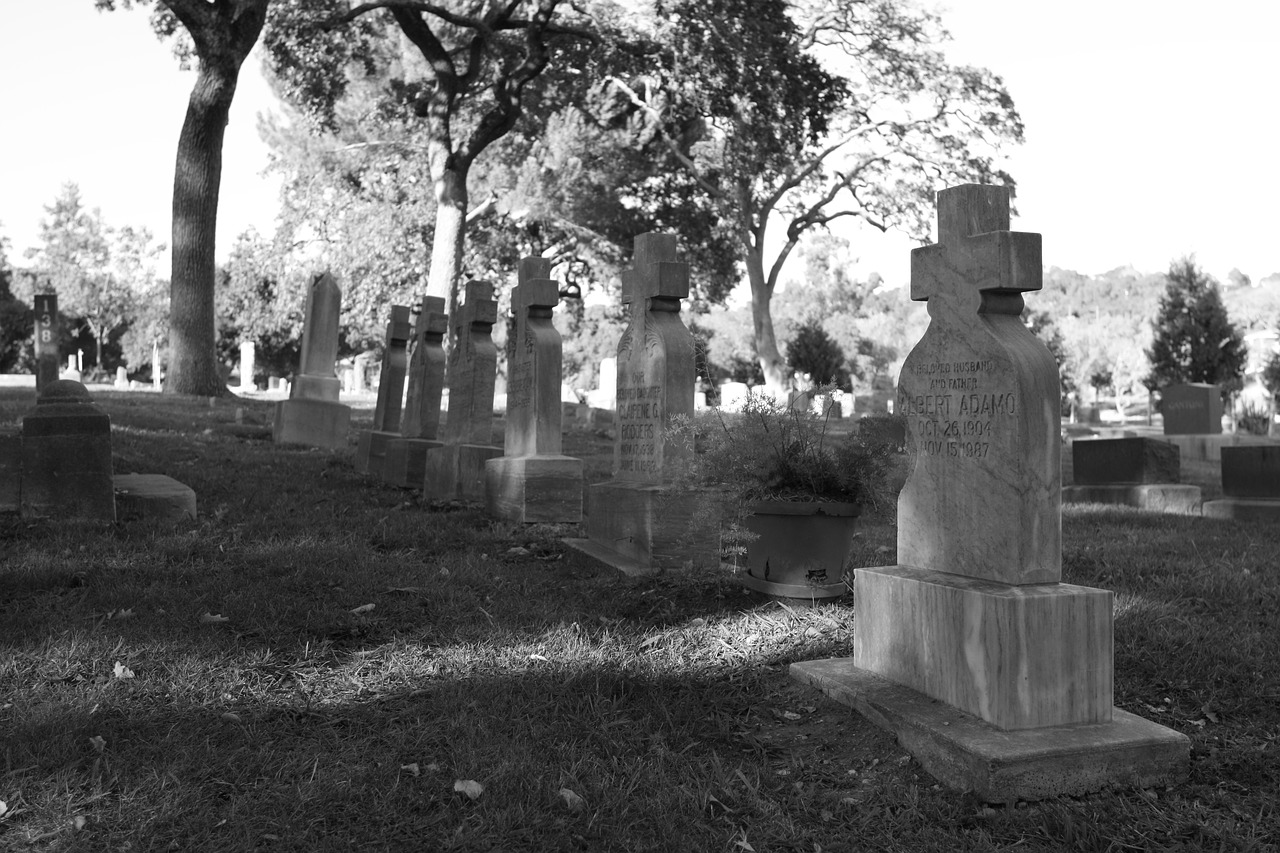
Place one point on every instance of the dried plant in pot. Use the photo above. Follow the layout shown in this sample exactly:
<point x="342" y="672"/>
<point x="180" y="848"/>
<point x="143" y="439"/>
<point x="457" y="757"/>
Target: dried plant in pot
<point x="794" y="482"/>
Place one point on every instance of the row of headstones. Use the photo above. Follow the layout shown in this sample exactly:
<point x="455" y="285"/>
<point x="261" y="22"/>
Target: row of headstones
<point x="1145" y="473"/>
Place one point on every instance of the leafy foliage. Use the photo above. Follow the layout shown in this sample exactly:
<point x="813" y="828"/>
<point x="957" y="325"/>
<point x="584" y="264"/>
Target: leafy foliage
<point x="1195" y="340"/>
<point x="813" y="352"/>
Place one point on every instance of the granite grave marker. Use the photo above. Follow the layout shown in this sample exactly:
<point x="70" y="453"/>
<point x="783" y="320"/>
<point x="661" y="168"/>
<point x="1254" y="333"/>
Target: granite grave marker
<point x="1134" y="471"/>
<point x="312" y="415"/>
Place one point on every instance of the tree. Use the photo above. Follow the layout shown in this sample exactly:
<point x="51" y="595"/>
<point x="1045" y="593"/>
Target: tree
<point x="806" y="112"/>
<point x="1194" y="339"/>
<point x="219" y="34"/>
<point x="15" y="318"/>
<point x="813" y="352"/>
<point x="467" y="87"/>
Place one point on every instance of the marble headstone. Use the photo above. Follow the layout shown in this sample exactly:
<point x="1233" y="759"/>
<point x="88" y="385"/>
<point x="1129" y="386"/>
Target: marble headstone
<point x="248" y="352"/>
<point x="636" y="521"/>
<point x="974" y="615"/>
<point x="533" y="481"/>
<point x="406" y="458"/>
<point x="456" y="470"/>
<point x="312" y="415"/>
<point x="371" y="450"/>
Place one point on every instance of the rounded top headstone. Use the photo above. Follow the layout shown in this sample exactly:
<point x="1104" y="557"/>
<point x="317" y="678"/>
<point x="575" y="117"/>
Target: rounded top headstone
<point x="64" y="391"/>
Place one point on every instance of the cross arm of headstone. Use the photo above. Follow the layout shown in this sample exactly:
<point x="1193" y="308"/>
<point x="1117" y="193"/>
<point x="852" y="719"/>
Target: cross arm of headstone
<point x="399" y="327"/>
<point x="655" y="272"/>
<point x="976" y="253"/>
<point x="480" y="308"/>
<point x="432" y="319"/>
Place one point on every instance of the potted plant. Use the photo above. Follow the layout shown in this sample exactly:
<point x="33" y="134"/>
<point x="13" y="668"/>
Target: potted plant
<point x="795" y="482"/>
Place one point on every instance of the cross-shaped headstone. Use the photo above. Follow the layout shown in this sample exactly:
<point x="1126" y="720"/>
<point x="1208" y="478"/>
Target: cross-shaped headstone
<point x="981" y="398"/>
<point x="533" y="385"/>
<point x="472" y="368"/>
<point x="426" y="371"/>
<point x="655" y="361"/>
<point x="395" y="363"/>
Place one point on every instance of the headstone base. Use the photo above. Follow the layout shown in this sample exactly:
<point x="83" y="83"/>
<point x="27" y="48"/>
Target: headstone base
<point x="457" y="472"/>
<point x="1242" y="509"/>
<point x="10" y="472"/>
<point x="153" y="497"/>
<point x="966" y="754"/>
<point x="1018" y="657"/>
<point x="405" y="462"/>
<point x="534" y="489"/>
<point x="643" y="529"/>
<point x="371" y="451"/>
<point x="315" y="423"/>
<point x="1153" y="497"/>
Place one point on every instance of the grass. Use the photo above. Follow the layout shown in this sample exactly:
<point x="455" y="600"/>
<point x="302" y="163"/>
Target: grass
<point x="222" y="686"/>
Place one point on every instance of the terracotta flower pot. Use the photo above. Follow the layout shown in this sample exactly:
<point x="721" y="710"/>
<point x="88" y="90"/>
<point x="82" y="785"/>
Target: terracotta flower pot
<point x="800" y="548"/>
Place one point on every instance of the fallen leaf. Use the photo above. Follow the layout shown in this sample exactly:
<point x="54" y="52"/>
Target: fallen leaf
<point x="363" y="608"/>
<point x="812" y="632"/>
<point x="99" y="743"/>
<point x="745" y="845"/>
<point x="572" y="800"/>
<point x="650" y="641"/>
<point x="470" y="787"/>
<point x="411" y="769"/>
<point x="80" y="822"/>
<point x="4" y="807"/>
<point x="1209" y="714"/>
<point x="122" y="613"/>
<point x="536" y="656"/>
<point x="230" y="717"/>
<point x="697" y="623"/>
<point x="209" y="618"/>
<point x="790" y="715"/>
<point x="433" y="768"/>
<point x="517" y="551"/>
<point x="122" y="671"/>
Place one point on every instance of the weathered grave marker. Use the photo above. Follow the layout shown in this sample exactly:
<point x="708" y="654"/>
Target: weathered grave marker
<point x="456" y="470"/>
<point x="66" y="456"/>
<point x="974" y="614"/>
<point x="406" y="459"/>
<point x="1138" y="472"/>
<point x="1192" y="409"/>
<point x="47" y="332"/>
<point x="371" y="451"/>
<point x="248" y="353"/>
<point x="1250" y="484"/>
<point x="534" y="481"/>
<point x="312" y="415"/>
<point x="637" y="522"/>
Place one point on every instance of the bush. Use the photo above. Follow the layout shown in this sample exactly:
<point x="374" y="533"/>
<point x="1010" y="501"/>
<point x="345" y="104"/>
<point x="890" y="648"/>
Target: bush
<point x="812" y="351"/>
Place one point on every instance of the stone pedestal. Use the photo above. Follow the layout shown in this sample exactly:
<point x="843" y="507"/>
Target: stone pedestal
<point x="533" y="489"/>
<point x="48" y="330"/>
<point x="153" y="497"/>
<point x="457" y="472"/>
<point x="371" y="451"/>
<point x="312" y="415"/>
<point x="66" y="456"/>
<point x="644" y="529"/>
<point x="404" y="460"/>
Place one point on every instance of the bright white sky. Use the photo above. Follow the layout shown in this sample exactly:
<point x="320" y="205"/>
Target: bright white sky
<point x="1151" y="127"/>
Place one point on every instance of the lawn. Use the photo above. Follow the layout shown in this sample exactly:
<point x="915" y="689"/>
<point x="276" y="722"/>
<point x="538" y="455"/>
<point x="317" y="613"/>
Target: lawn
<point x="321" y="662"/>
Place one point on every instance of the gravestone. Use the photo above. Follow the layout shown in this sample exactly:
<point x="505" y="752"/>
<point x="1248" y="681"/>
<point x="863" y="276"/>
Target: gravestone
<point x="72" y="373"/>
<point x="312" y="415"/>
<point x="371" y="451"/>
<point x="1137" y="472"/>
<point x="974" y="616"/>
<point x="247" y="357"/>
<point x="122" y="378"/>
<point x="1192" y="409"/>
<point x="66" y="456"/>
<point x="406" y="459"/>
<point x="638" y="522"/>
<point x="456" y="470"/>
<point x="153" y="497"/>
<point x="48" y="329"/>
<point x="533" y="481"/>
<point x="605" y="394"/>
<point x="1250" y="484"/>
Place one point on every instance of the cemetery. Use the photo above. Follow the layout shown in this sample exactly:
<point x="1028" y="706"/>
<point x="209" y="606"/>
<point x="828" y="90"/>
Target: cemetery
<point x="511" y="496"/>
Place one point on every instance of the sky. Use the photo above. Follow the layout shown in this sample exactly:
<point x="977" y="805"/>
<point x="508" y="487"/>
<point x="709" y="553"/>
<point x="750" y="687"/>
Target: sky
<point x="1151" y="128"/>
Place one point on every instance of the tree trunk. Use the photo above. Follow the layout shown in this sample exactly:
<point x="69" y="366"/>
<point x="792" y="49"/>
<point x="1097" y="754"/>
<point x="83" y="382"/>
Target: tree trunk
<point x="97" y="345"/>
<point x="447" y="243"/>
<point x="772" y="364"/>
<point x="193" y="365"/>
